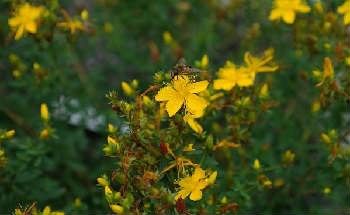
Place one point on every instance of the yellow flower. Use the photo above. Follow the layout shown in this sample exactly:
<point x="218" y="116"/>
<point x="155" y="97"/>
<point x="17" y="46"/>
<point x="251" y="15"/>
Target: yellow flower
<point x="192" y="185"/>
<point x="229" y="76"/>
<point x="345" y="9"/>
<point x="328" y="71"/>
<point x="44" y="112"/>
<point x="255" y="65"/>
<point x="286" y="9"/>
<point x="72" y="25"/>
<point x="25" y="19"/>
<point x="183" y="92"/>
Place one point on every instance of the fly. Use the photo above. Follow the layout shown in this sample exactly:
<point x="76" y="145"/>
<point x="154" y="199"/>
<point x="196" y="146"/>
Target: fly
<point x="181" y="68"/>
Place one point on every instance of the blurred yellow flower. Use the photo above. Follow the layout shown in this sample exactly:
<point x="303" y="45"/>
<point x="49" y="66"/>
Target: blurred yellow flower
<point x="327" y="190"/>
<point x="230" y="76"/>
<point x="212" y="177"/>
<point x="192" y="185"/>
<point x="256" y="164"/>
<point x="84" y="14"/>
<point x="18" y="212"/>
<point x="255" y="64"/>
<point x="117" y="209"/>
<point x="25" y="19"/>
<point x="111" y="129"/>
<point x="267" y="183"/>
<point x="325" y="138"/>
<point x="183" y="92"/>
<point x="111" y="140"/>
<point x="286" y="9"/>
<point x="328" y="71"/>
<point x="204" y="62"/>
<point x="77" y="202"/>
<point x="71" y="24"/>
<point x="147" y="101"/>
<point x="288" y="157"/>
<point x="319" y="7"/>
<point x="347" y="61"/>
<point x="345" y="9"/>
<point x="108" y="190"/>
<point x="168" y="39"/>
<point x="47" y="210"/>
<point x="45" y="133"/>
<point x="102" y="181"/>
<point x="127" y="89"/>
<point x="315" y="106"/>
<point x="44" y="112"/>
<point x="264" y="91"/>
<point x="8" y="134"/>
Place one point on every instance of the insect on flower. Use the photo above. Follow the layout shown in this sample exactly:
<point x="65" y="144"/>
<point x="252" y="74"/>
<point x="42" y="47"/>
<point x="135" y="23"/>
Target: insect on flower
<point x="181" y="68"/>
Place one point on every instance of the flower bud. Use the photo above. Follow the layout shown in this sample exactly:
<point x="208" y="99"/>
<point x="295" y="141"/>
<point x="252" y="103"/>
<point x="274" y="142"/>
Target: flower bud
<point x="117" y="209"/>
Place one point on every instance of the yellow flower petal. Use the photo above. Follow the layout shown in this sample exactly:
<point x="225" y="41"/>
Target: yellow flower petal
<point x="19" y="32"/>
<point x="183" y="194"/>
<point x="303" y="8"/>
<point x="198" y="86"/>
<point x="14" y="21"/>
<point x="275" y="14"/>
<point x="289" y="17"/>
<point x="195" y="104"/>
<point x="198" y="174"/>
<point x="212" y="178"/>
<point x="31" y="27"/>
<point x="165" y="94"/>
<point x="223" y="84"/>
<point x="174" y="105"/>
<point x="193" y="123"/>
<point x="196" y="195"/>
